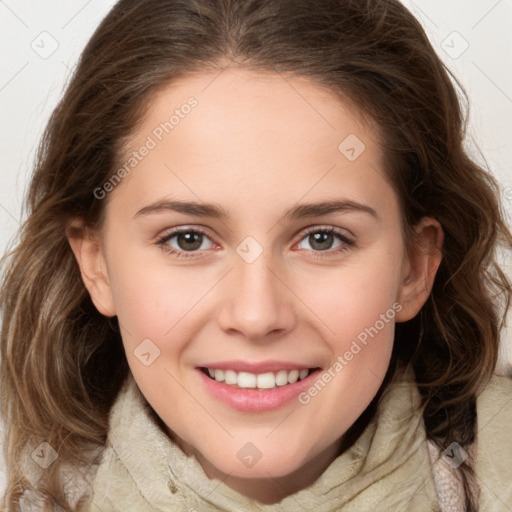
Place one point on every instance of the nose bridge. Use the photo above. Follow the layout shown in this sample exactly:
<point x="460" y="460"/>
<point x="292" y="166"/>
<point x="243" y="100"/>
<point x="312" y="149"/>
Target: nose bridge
<point x="256" y="303"/>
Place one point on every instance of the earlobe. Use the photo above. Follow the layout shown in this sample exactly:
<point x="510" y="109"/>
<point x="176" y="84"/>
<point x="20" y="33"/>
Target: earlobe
<point x="90" y="258"/>
<point x="421" y="267"/>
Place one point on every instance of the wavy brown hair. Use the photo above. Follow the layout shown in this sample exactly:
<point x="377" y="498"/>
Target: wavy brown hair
<point x="62" y="363"/>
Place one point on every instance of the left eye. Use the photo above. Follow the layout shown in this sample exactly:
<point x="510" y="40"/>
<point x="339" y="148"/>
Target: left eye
<point x="324" y="240"/>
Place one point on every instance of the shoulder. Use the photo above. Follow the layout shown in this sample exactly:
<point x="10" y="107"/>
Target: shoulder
<point x="494" y="410"/>
<point x="496" y="395"/>
<point x="494" y="437"/>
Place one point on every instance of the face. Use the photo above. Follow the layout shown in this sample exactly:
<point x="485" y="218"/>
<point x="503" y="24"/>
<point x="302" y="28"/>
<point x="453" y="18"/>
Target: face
<point x="257" y="241"/>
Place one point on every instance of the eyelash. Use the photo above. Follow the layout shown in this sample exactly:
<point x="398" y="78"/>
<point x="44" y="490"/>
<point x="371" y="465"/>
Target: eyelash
<point x="348" y="242"/>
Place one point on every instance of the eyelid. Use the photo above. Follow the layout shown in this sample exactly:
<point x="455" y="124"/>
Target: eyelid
<point x="168" y="234"/>
<point x="326" y="228"/>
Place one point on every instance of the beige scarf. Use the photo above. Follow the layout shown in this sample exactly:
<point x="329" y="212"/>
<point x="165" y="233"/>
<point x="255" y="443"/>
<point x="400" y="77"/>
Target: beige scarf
<point x="390" y="468"/>
<point x="387" y="469"/>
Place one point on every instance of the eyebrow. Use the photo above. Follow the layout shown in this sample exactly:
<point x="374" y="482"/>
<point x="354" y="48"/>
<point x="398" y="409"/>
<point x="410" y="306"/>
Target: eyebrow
<point x="296" y="212"/>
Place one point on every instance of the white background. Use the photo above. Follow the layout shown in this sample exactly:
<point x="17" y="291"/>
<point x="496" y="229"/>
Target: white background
<point x="31" y="82"/>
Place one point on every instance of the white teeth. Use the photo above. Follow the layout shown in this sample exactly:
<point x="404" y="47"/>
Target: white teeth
<point x="230" y="377"/>
<point x="293" y="376"/>
<point x="246" y="380"/>
<point x="282" y="378"/>
<point x="267" y="380"/>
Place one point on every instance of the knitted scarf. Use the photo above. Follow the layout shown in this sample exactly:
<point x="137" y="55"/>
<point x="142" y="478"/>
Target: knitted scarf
<point x="391" y="467"/>
<point x="388" y="467"/>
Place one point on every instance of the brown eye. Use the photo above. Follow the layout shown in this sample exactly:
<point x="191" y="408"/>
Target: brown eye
<point x="186" y="240"/>
<point x="321" y="240"/>
<point x="189" y="241"/>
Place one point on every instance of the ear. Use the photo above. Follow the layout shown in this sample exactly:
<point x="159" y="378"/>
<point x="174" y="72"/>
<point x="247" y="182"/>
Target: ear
<point x="420" y="269"/>
<point x="89" y="254"/>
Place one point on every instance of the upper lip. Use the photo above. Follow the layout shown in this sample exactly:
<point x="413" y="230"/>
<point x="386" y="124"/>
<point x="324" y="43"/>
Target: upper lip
<point x="256" y="366"/>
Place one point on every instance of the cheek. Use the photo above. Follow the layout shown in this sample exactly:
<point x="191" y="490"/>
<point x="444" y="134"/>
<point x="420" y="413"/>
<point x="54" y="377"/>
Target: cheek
<point x="353" y="297"/>
<point x="152" y="298"/>
<point x="360" y="341"/>
<point x="356" y="306"/>
<point x="154" y="309"/>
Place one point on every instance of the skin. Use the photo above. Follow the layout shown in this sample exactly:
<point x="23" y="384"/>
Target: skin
<point x="257" y="145"/>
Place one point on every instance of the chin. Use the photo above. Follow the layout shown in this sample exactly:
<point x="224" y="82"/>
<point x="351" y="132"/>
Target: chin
<point x="250" y="463"/>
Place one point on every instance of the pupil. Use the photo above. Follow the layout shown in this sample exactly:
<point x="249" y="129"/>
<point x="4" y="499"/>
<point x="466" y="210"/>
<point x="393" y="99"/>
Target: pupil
<point x="321" y="241"/>
<point x="194" y="241"/>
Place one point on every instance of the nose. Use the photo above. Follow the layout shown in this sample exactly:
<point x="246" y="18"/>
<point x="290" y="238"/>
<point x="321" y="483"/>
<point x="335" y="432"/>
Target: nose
<point x="256" y="302"/>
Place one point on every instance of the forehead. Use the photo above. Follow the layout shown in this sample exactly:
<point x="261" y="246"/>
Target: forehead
<point x="253" y="138"/>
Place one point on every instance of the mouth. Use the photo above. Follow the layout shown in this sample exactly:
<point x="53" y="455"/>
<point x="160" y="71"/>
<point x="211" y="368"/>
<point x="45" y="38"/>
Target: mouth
<point x="256" y="387"/>
<point x="260" y="381"/>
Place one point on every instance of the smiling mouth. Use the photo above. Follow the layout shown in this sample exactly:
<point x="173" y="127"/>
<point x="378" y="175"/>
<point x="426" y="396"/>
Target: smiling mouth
<point x="260" y="381"/>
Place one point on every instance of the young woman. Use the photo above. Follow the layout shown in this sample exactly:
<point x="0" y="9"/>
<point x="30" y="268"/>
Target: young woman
<point x="258" y="273"/>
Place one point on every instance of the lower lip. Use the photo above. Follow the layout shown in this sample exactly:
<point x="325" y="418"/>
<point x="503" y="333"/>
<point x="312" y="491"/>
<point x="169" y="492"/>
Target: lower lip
<point x="256" y="400"/>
